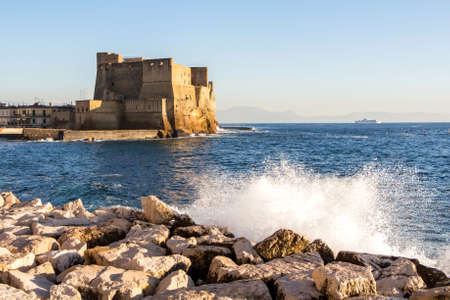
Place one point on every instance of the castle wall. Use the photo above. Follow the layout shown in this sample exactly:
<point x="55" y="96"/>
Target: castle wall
<point x="141" y="114"/>
<point x="98" y="114"/>
<point x="199" y="76"/>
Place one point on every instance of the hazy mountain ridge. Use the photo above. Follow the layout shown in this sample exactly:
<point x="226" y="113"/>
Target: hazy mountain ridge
<point x="246" y="114"/>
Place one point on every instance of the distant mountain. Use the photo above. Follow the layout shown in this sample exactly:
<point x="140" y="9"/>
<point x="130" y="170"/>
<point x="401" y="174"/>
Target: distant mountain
<point x="246" y="114"/>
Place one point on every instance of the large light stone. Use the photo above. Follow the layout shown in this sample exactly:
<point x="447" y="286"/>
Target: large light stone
<point x="28" y="243"/>
<point x="175" y="280"/>
<point x="74" y="244"/>
<point x="46" y="269"/>
<point x="237" y="290"/>
<point x="9" y="261"/>
<point x="11" y="293"/>
<point x="282" y="243"/>
<point x="156" y="234"/>
<point x="439" y="293"/>
<point x="399" y="279"/>
<point x="36" y="284"/>
<point x="101" y="282"/>
<point x="50" y="231"/>
<point x="177" y="244"/>
<point x="299" y="286"/>
<point x="244" y="252"/>
<point x="223" y="269"/>
<point x="156" y="211"/>
<point x="201" y="257"/>
<point x="64" y="292"/>
<point x="77" y="209"/>
<point x="339" y="280"/>
<point x="17" y="230"/>
<point x="61" y="260"/>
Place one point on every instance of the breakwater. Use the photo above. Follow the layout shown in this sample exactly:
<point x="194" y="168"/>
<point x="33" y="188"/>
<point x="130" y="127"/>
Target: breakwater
<point x="68" y="252"/>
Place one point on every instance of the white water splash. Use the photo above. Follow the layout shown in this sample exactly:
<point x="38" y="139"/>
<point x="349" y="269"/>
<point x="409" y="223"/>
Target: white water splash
<point x="355" y="213"/>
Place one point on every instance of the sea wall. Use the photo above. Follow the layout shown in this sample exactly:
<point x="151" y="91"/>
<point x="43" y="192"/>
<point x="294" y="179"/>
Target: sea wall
<point x="42" y="134"/>
<point x="116" y="135"/>
<point x="68" y="252"/>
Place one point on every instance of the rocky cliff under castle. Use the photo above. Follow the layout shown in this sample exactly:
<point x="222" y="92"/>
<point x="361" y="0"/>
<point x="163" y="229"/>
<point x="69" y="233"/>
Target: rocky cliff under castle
<point x="138" y="93"/>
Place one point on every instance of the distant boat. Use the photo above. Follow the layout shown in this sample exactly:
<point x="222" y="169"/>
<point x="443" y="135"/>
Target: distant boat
<point x="365" y="121"/>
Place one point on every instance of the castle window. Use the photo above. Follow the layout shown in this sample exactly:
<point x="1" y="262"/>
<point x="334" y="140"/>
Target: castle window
<point x="161" y="63"/>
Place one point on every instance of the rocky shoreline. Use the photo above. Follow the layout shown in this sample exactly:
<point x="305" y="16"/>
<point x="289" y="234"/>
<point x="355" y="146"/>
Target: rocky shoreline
<point x="67" y="252"/>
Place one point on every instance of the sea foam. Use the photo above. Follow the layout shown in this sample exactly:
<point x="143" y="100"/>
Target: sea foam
<point x="362" y="212"/>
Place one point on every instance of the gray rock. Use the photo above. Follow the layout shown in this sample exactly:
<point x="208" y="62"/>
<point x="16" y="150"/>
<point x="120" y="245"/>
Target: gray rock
<point x="201" y="257"/>
<point x="322" y="248"/>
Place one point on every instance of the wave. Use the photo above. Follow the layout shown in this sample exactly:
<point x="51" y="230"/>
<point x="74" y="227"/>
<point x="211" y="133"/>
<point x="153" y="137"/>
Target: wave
<point x="363" y="212"/>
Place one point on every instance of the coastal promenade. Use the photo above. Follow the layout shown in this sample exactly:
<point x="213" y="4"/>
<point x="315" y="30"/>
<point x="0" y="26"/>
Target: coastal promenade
<point x="118" y="252"/>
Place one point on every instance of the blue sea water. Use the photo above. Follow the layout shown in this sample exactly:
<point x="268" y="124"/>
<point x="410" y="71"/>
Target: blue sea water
<point x="379" y="188"/>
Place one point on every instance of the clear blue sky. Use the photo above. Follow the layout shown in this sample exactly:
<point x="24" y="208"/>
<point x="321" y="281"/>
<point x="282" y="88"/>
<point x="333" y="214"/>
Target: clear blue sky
<point x="311" y="57"/>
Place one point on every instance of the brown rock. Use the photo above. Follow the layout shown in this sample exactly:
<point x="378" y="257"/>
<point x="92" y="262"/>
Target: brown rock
<point x="339" y="280"/>
<point x="244" y="252"/>
<point x="237" y="290"/>
<point x="319" y="246"/>
<point x="177" y="244"/>
<point x="99" y="235"/>
<point x="156" y="211"/>
<point x="173" y="281"/>
<point x="74" y="244"/>
<point x="32" y="203"/>
<point x="10" y="293"/>
<point x="299" y="286"/>
<point x="439" y="293"/>
<point x="9" y="261"/>
<point x="224" y="269"/>
<point x="201" y="257"/>
<point x="282" y="243"/>
<point x="64" y="292"/>
<point x="399" y="279"/>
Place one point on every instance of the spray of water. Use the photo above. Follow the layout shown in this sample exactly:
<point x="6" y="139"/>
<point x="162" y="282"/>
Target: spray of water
<point x="359" y="212"/>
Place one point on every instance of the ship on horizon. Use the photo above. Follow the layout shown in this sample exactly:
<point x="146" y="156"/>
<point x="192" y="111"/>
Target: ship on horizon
<point x="366" y="121"/>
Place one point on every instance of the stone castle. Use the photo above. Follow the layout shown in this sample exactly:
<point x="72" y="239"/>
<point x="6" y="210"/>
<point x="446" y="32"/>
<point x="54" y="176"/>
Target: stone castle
<point x="138" y="93"/>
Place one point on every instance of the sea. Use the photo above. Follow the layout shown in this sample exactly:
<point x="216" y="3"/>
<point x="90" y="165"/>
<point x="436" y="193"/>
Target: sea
<point x="377" y="188"/>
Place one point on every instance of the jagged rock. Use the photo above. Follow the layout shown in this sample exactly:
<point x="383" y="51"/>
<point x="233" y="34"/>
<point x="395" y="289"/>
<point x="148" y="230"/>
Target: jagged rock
<point x="156" y="234"/>
<point x="9" y="261"/>
<point x="134" y="257"/>
<point x="299" y="286"/>
<point x="17" y="230"/>
<point x="61" y="214"/>
<point x="223" y="269"/>
<point x="217" y="239"/>
<point x="50" y="231"/>
<point x="199" y="230"/>
<point x="11" y="293"/>
<point x="373" y="297"/>
<point x="74" y="244"/>
<point x="181" y="220"/>
<point x="201" y="257"/>
<point x="175" y="280"/>
<point x="32" y="203"/>
<point x="64" y="292"/>
<point x="77" y="209"/>
<point x="61" y="260"/>
<point x="99" y="282"/>
<point x="177" y="244"/>
<point x="99" y="235"/>
<point x="125" y="212"/>
<point x="35" y="284"/>
<point x="282" y="243"/>
<point x="439" y="293"/>
<point x="430" y="276"/>
<point x="8" y="200"/>
<point x="23" y="216"/>
<point x="322" y="248"/>
<point x="244" y="252"/>
<point x="399" y="279"/>
<point x="237" y="290"/>
<point x="45" y="269"/>
<point x="156" y="211"/>
<point x="27" y="243"/>
<point x="339" y="280"/>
